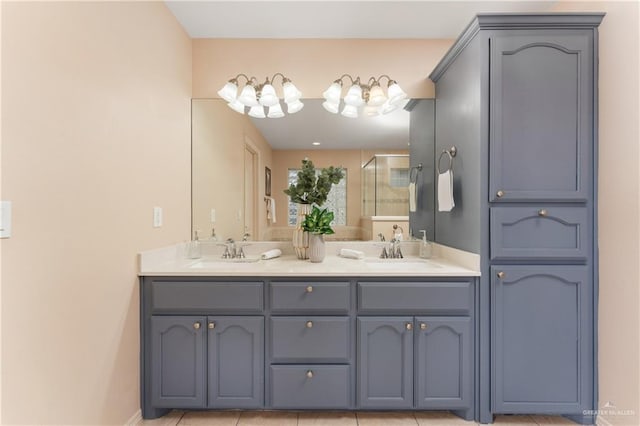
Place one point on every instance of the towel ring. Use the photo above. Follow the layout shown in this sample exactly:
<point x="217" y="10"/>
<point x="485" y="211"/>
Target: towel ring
<point x="451" y="152"/>
<point x="417" y="169"/>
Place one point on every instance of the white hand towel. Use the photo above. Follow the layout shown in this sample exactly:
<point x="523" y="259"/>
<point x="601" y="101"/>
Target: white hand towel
<point x="271" y="254"/>
<point x="271" y="209"/>
<point x="412" y="197"/>
<point x="351" y="254"/>
<point x="445" y="191"/>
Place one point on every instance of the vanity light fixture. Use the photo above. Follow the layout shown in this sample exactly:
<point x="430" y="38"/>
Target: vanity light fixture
<point x="370" y="95"/>
<point x="257" y="96"/>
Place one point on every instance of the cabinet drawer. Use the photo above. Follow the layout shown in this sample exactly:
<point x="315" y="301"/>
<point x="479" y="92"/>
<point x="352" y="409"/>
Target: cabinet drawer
<point x="330" y="297"/>
<point x="310" y="386"/>
<point x="207" y="297"/>
<point x="415" y="297"/>
<point x="542" y="232"/>
<point x="310" y="339"/>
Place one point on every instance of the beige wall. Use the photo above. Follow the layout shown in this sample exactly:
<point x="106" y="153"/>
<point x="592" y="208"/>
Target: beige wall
<point x="219" y="137"/>
<point x="95" y="133"/>
<point x="618" y="207"/>
<point x="313" y="64"/>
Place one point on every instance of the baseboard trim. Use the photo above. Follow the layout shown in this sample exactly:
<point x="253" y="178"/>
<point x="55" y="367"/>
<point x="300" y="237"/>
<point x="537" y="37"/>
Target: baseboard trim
<point x="135" y="419"/>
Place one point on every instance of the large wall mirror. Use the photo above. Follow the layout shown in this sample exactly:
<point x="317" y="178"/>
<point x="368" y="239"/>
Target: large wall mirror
<point x="241" y="165"/>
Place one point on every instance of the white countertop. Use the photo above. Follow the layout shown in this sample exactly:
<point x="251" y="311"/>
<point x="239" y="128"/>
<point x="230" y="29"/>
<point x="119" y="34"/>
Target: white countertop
<point x="447" y="262"/>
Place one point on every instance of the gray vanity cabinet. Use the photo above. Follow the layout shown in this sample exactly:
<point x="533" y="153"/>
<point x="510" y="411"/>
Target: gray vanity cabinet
<point x="421" y="362"/>
<point x="178" y="365"/>
<point x="385" y="362"/>
<point x="542" y="353"/>
<point x="193" y="357"/>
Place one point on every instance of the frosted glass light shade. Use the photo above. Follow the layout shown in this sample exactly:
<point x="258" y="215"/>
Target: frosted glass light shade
<point x="268" y="96"/>
<point x="350" y="111"/>
<point x="237" y="106"/>
<point x="228" y="92"/>
<point x="293" y="107"/>
<point x="275" y="111"/>
<point x="291" y="92"/>
<point x="333" y="92"/>
<point x="354" y="96"/>
<point x="396" y="94"/>
<point x="331" y="106"/>
<point x="248" y="96"/>
<point x="376" y="96"/>
<point x="257" y="111"/>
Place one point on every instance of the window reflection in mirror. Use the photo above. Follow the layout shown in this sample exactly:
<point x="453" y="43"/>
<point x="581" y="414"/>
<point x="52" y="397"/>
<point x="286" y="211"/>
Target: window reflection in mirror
<point x="230" y="152"/>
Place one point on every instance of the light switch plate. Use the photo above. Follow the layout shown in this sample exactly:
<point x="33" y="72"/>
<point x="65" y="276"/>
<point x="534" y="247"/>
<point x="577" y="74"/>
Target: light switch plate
<point x="157" y="217"/>
<point x="213" y="215"/>
<point x="5" y="219"/>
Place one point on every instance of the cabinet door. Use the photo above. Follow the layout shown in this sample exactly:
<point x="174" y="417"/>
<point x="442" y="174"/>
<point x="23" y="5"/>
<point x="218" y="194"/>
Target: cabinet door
<point x="444" y="356"/>
<point x="178" y="361"/>
<point x="542" y="354"/>
<point x="236" y="362"/>
<point x="541" y="115"/>
<point x="385" y="362"/>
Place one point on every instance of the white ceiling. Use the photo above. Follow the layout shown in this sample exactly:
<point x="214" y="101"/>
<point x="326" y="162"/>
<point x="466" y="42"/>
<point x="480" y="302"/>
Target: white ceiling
<point x="337" y="19"/>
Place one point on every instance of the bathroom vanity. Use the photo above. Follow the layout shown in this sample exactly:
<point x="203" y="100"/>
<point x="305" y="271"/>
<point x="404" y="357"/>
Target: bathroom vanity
<point x="517" y="95"/>
<point x="360" y="338"/>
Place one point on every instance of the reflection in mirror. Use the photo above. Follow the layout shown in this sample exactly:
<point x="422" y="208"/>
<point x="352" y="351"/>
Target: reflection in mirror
<point x="237" y="159"/>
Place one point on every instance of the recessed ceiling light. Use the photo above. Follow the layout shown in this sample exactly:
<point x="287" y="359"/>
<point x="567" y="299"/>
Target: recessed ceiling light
<point x="315" y="143"/>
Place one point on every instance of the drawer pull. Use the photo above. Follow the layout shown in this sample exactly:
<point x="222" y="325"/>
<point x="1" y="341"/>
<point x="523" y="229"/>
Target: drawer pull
<point x="542" y="213"/>
<point x="423" y="326"/>
<point x="500" y="194"/>
<point x="309" y="374"/>
<point x="501" y="274"/>
<point x="309" y="324"/>
<point x="212" y="325"/>
<point x="309" y="289"/>
<point x="196" y="325"/>
<point x="408" y="326"/>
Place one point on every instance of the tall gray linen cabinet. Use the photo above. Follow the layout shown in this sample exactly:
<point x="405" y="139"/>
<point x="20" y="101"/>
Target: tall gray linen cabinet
<point x="517" y="96"/>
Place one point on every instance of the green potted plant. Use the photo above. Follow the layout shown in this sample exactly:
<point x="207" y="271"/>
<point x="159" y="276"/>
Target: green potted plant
<point x="317" y="223"/>
<point x="310" y="189"/>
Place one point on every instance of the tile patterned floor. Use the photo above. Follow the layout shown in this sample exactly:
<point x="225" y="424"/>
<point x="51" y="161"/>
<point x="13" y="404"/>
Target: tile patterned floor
<point x="362" y="418"/>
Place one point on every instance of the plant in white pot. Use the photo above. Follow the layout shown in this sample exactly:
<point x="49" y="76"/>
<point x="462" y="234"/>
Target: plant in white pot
<point x="317" y="224"/>
<point x="309" y="190"/>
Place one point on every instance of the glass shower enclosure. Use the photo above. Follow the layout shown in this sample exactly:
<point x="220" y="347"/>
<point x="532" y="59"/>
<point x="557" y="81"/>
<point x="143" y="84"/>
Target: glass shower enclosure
<point x="385" y="185"/>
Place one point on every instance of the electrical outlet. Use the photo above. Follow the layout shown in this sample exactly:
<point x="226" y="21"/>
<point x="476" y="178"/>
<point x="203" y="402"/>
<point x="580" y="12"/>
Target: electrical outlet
<point x="157" y="217"/>
<point x="213" y="215"/>
<point x="5" y="219"/>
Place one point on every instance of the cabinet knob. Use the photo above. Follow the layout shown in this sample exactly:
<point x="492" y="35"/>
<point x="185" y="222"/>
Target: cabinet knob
<point x="423" y="326"/>
<point x="212" y="325"/>
<point x="408" y="326"/>
<point x="309" y="374"/>
<point x="500" y="194"/>
<point x="309" y="324"/>
<point x="196" y="325"/>
<point x="309" y="289"/>
<point x="542" y="213"/>
<point x="501" y="274"/>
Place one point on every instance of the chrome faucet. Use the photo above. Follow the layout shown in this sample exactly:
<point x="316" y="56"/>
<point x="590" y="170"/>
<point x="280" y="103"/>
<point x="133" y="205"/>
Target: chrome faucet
<point x="229" y="249"/>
